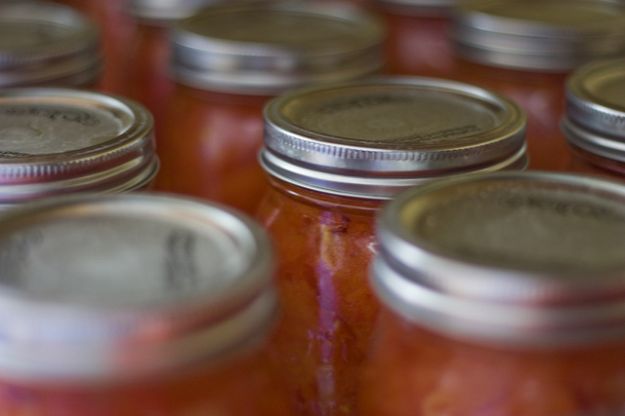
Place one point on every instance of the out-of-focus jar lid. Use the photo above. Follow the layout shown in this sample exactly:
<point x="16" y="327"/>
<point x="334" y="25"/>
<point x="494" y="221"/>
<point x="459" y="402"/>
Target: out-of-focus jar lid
<point x="523" y="259"/>
<point x="268" y="47"/>
<point x="58" y="141"/>
<point x="547" y="35"/>
<point x="97" y="288"/>
<point x="47" y="43"/>
<point x="595" y="111"/>
<point x="418" y="7"/>
<point x="374" y="138"/>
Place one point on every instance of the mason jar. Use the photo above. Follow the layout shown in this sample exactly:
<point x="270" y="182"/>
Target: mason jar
<point x="45" y="43"/>
<point x="502" y="295"/>
<point x="227" y="61"/>
<point x="526" y="49"/>
<point x="61" y="141"/>
<point x="334" y="155"/>
<point x="594" y="121"/>
<point x="134" y="305"/>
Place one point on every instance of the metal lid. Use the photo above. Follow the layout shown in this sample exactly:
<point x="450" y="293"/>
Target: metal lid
<point x="418" y="7"/>
<point x="57" y="141"/>
<point x="595" y="111"/>
<point x="114" y="287"/>
<point x="267" y="48"/>
<point x="514" y="258"/>
<point x="374" y="138"/>
<point x="550" y="35"/>
<point x="47" y="43"/>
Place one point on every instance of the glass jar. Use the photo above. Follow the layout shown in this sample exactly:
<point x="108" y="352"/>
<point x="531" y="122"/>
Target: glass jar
<point x="44" y="43"/>
<point x="148" y="67"/>
<point x="594" y="123"/>
<point x="227" y="61"/>
<point x="335" y="154"/>
<point x="117" y="31"/>
<point x="60" y="141"/>
<point x="417" y="42"/>
<point x="503" y="295"/>
<point x="163" y="309"/>
<point x="525" y="49"/>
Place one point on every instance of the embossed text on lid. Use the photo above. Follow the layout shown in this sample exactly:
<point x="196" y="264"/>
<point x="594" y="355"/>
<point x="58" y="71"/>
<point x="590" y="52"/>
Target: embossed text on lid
<point x="536" y="34"/>
<point x="375" y="137"/>
<point x="46" y="43"/>
<point x="509" y="255"/>
<point x="55" y="141"/>
<point x="268" y="47"/>
<point x="156" y="273"/>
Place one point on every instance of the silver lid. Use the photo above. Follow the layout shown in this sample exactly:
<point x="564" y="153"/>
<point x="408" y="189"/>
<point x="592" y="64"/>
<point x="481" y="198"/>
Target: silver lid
<point x="595" y="111"/>
<point x="267" y="48"/>
<point x="57" y="141"/>
<point x="96" y="288"/>
<point x="374" y="138"/>
<point x="550" y="35"/>
<point x="512" y="258"/>
<point x="418" y="7"/>
<point x="165" y="10"/>
<point x="47" y="43"/>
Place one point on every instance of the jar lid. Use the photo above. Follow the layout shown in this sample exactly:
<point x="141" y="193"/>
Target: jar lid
<point x="47" y="43"/>
<point x="154" y="283"/>
<point x="595" y="112"/>
<point x="57" y="141"/>
<point x="374" y="138"/>
<point x="265" y="48"/>
<point x="165" y="10"/>
<point x="548" y="35"/>
<point x="418" y="7"/>
<point x="512" y="258"/>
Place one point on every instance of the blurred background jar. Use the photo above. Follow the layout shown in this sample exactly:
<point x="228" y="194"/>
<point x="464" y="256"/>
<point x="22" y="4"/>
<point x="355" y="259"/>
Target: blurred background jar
<point x="164" y="308"/>
<point x="61" y="141"/>
<point x="44" y="43"/>
<point x="117" y="31"/>
<point x="334" y="155"/>
<point x="148" y="64"/>
<point x="227" y="61"/>
<point x="503" y="295"/>
<point x="525" y="49"/>
<point x="594" y="122"/>
<point x="418" y="36"/>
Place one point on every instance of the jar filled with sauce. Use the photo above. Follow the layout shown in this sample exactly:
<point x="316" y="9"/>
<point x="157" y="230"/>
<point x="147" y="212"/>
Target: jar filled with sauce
<point x="594" y="123"/>
<point x="60" y="141"/>
<point x="163" y="309"/>
<point x="227" y="61"/>
<point x="148" y="67"/>
<point x="334" y="155"/>
<point x="44" y="43"/>
<point x="117" y="31"/>
<point x="525" y="49"/>
<point x="418" y="39"/>
<point x="503" y="295"/>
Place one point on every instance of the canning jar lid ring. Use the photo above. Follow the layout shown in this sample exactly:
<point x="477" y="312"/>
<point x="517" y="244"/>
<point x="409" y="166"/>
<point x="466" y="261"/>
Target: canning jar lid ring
<point x="520" y="43"/>
<point x="67" y="58"/>
<point x="304" y="147"/>
<point x="215" y="61"/>
<point x="120" y="160"/>
<point x="496" y="303"/>
<point x="418" y="7"/>
<point x="79" y="340"/>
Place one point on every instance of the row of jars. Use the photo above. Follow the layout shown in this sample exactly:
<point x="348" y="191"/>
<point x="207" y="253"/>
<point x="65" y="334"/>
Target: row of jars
<point x="334" y="155"/>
